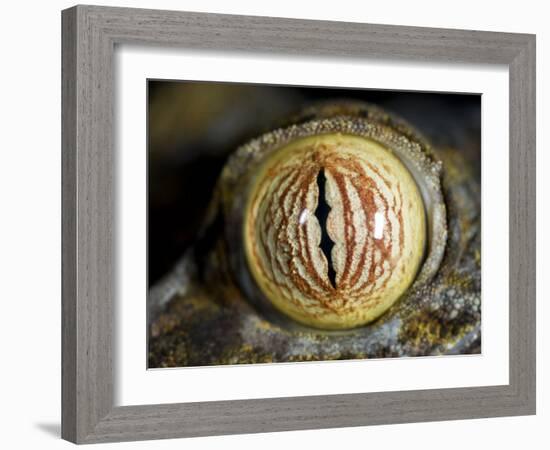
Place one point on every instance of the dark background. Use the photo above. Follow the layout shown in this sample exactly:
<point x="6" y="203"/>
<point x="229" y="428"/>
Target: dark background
<point x="194" y="126"/>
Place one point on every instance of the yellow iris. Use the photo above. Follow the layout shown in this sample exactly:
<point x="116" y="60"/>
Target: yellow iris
<point x="334" y="230"/>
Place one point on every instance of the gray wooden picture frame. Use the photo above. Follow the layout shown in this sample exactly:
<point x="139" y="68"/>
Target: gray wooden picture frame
<point x="90" y="34"/>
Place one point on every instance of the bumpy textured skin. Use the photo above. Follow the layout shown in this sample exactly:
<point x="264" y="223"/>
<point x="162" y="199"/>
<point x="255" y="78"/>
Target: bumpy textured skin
<point x="206" y="313"/>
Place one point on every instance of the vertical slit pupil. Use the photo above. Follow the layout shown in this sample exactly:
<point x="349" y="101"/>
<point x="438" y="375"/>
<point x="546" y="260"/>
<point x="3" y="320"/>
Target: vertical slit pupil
<point x="321" y="212"/>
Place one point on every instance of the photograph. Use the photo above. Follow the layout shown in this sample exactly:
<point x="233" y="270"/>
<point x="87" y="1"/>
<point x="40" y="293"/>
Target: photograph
<point x="292" y="224"/>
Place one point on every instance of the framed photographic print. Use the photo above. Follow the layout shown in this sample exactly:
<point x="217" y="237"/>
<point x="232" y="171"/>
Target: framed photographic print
<point x="278" y="224"/>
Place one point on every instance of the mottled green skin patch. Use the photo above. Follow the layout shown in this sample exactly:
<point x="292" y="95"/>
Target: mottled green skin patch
<point x="212" y="322"/>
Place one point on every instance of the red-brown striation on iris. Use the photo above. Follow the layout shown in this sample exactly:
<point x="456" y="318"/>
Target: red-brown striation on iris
<point x="373" y="234"/>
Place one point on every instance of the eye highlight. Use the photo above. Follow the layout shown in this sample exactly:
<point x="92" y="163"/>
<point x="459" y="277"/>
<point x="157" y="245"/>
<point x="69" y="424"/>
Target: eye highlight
<point x="334" y="230"/>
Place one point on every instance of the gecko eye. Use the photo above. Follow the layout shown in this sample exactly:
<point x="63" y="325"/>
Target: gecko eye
<point x="335" y="230"/>
<point x="339" y="222"/>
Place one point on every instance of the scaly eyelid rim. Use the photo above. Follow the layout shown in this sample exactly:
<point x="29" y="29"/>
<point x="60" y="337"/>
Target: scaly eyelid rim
<point x="239" y="175"/>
